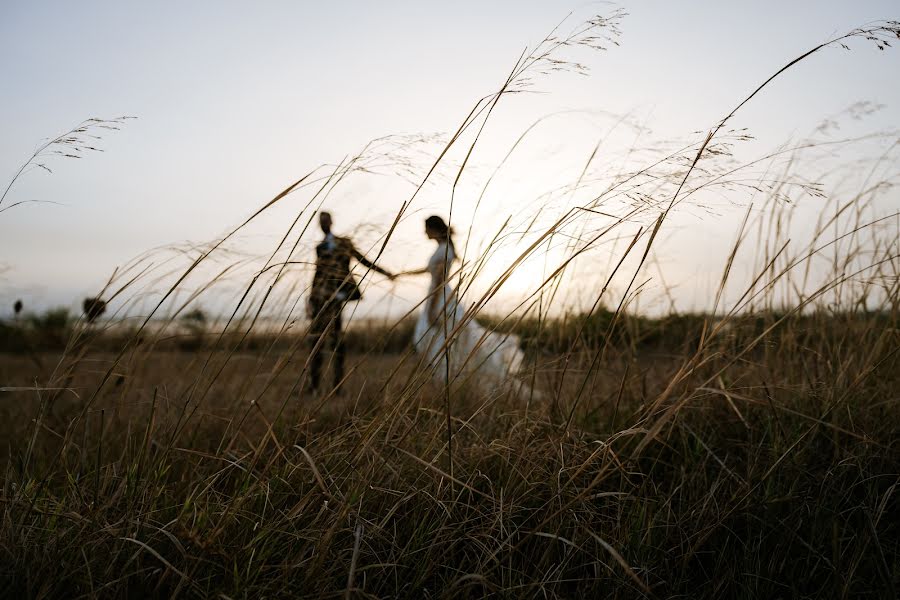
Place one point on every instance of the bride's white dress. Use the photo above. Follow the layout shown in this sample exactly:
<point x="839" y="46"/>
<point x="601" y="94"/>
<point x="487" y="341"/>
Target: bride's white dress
<point x="473" y="355"/>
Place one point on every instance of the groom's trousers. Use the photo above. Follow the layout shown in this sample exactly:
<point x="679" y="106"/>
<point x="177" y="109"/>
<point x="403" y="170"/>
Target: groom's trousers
<point x="324" y="329"/>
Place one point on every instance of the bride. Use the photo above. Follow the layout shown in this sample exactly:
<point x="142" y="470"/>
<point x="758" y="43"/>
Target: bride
<point x="453" y="345"/>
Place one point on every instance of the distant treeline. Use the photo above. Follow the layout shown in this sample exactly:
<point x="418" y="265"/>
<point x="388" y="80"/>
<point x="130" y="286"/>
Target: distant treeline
<point x="54" y="329"/>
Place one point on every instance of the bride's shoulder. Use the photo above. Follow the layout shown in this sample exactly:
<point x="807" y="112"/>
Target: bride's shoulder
<point x="443" y="251"/>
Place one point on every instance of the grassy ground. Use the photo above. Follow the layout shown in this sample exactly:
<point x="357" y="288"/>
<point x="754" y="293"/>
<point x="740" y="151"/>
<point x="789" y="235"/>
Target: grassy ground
<point x="770" y="472"/>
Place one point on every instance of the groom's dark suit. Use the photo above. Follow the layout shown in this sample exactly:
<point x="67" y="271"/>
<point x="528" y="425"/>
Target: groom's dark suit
<point x="333" y="286"/>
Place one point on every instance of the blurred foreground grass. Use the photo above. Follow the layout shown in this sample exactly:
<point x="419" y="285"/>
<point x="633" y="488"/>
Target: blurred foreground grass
<point x="777" y="477"/>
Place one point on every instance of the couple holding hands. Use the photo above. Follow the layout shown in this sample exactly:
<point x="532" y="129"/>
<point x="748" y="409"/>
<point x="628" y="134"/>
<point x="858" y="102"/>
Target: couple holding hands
<point x="443" y="332"/>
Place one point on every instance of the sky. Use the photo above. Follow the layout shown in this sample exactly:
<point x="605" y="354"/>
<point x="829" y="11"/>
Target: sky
<point x="236" y="100"/>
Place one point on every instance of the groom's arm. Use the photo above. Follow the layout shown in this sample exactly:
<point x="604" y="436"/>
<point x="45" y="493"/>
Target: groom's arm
<point x="360" y="257"/>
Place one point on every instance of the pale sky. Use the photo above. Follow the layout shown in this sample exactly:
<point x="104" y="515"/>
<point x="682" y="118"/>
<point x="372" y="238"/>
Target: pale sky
<point x="235" y="100"/>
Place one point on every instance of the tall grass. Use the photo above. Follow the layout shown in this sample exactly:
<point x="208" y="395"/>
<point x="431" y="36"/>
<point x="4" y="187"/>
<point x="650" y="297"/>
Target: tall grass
<point x="749" y="451"/>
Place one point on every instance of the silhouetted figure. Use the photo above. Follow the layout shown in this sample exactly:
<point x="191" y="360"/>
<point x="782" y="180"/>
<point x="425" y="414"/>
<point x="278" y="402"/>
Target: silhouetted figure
<point x="332" y="287"/>
<point x="93" y="308"/>
<point x="453" y="345"/>
<point x="17" y="307"/>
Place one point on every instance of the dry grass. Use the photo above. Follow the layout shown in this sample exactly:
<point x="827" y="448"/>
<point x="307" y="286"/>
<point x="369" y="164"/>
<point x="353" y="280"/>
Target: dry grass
<point x="777" y="477"/>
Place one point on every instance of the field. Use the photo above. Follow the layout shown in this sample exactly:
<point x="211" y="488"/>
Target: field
<point x="748" y="448"/>
<point x="773" y="474"/>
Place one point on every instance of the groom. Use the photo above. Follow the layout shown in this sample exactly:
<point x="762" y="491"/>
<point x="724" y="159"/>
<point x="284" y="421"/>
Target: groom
<point x="332" y="287"/>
